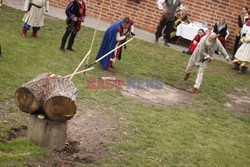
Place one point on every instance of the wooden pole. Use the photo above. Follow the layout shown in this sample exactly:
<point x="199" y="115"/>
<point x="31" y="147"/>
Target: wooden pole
<point x="93" y="39"/>
<point x="80" y="72"/>
<point x="80" y="65"/>
<point x="110" y="52"/>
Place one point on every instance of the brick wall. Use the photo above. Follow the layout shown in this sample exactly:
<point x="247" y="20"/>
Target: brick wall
<point x="146" y="15"/>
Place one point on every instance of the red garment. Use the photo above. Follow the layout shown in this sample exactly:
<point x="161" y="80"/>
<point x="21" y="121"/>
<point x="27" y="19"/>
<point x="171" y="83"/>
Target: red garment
<point x="197" y="38"/>
<point x="120" y="29"/>
<point x="222" y="40"/>
<point x="82" y="12"/>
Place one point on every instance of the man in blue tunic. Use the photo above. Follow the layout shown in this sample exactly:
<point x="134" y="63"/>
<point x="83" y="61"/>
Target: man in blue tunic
<point x="115" y="35"/>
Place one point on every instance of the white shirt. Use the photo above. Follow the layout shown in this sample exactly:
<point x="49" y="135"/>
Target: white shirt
<point x="161" y="2"/>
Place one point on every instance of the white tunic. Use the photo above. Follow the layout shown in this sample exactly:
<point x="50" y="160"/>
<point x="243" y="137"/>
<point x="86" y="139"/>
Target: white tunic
<point x="243" y="53"/>
<point x="35" y="16"/>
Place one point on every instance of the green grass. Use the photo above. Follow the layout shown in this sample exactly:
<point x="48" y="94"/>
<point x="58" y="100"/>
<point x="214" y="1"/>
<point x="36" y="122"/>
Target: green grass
<point x="201" y="134"/>
<point x="18" y="152"/>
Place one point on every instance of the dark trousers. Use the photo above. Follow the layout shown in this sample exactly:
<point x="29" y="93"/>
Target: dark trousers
<point x="71" y="38"/>
<point x="169" y="28"/>
<point x="35" y="29"/>
<point x="236" y="45"/>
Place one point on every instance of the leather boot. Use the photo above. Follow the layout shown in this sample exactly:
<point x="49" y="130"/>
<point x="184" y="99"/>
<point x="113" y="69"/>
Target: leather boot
<point x="192" y="90"/>
<point x="242" y="70"/>
<point x="34" y="34"/>
<point x="24" y="33"/>
<point x="111" y="64"/>
<point x="236" y="66"/>
<point x="186" y="76"/>
<point x="109" y="67"/>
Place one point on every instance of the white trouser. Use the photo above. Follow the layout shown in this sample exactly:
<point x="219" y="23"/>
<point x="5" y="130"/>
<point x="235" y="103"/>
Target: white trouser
<point x="201" y="69"/>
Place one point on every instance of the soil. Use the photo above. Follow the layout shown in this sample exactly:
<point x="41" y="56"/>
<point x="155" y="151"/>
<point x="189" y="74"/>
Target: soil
<point x="89" y="133"/>
<point x="239" y="105"/>
<point x="91" y="130"/>
<point x="167" y="96"/>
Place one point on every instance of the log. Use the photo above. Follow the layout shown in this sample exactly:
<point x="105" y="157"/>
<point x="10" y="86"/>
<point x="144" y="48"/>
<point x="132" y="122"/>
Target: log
<point x="60" y="99"/>
<point x="52" y="94"/>
<point x="28" y="97"/>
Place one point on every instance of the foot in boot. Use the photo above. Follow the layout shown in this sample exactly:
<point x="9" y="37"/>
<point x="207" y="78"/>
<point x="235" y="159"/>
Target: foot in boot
<point x="110" y="69"/>
<point x="71" y="49"/>
<point x="236" y="66"/>
<point x="186" y="76"/>
<point x="34" y="34"/>
<point x="166" y="44"/>
<point x="242" y="70"/>
<point x="24" y="33"/>
<point x="62" y="49"/>
<point x="156" y="39"/>
<point x="192" y="90"/>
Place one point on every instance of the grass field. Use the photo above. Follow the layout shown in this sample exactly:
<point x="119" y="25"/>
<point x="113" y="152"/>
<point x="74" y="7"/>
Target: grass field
<point x="200" y="134"/>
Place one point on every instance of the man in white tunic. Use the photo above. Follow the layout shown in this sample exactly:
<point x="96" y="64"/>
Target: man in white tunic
<point x="34" y="16"/>
<point x="202" y="56"/>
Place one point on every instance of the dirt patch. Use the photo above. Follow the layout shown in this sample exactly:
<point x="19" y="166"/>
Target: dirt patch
<point x="89" y="132"/>
<point x="239" y="105"/>
<point x="14" y="133"/>
<point x="11" y="121"/>
<point x="166" y="96"/>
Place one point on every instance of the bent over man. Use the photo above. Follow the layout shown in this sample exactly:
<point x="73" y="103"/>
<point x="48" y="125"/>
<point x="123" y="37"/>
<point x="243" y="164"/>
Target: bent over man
<point x="202" y="56"/>
<point x="115" y="35"/>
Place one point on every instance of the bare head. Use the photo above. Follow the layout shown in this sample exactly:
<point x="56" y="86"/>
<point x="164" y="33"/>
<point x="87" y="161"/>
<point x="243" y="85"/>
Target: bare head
<point x="126" y="23"/>
<point x="201" y="32"/>
<point x="184" y="10"/>
<point x="212" y="37"/>
<point x="222" y="20"/>
<point x="244" y="9"/>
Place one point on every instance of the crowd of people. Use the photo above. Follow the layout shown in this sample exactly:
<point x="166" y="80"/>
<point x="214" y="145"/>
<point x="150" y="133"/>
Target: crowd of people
<point x="202" y="48"/>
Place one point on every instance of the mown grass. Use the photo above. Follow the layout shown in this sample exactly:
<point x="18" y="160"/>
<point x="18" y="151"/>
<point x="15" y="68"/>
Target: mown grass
<point x="201" y="134"/>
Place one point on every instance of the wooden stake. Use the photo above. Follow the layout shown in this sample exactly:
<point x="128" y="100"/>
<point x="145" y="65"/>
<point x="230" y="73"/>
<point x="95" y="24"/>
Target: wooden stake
<point x="80" y="65"/>
<point x="93" y="39"/>
<point x="80" y="72"/>
<point x="110" y="52"/>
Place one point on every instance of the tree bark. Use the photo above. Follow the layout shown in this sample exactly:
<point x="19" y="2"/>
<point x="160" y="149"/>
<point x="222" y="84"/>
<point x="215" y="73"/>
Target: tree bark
<point x="29" y="96"/>
<point x="54" y="95"/>
<point x="60" y="99"/>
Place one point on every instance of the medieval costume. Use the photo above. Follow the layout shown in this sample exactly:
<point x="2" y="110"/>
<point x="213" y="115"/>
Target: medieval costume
<point x="241" y="20"/>
<point x="34" y="17"/>
<point x="115" y="35"/>
<point x="202" y="56"/>
<point x="221" y="30"/>
<point x="179" y="18"/>
<point x="242" y="56"/>
<point x="76" y="12"/>
<point x="167" y="19"/>
<point x="195" y="41"/>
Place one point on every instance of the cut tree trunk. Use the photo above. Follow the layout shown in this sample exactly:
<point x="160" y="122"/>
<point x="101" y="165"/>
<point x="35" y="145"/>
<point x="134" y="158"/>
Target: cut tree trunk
<point x="29" y="96"/>
<point x="60" y="99"/>
<point x="54" y="95"/>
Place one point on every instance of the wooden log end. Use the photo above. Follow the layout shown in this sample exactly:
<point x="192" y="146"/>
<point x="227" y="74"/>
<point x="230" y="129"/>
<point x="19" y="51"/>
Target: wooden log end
<point x="59" y="108"/>
<point x="25" y="100"/>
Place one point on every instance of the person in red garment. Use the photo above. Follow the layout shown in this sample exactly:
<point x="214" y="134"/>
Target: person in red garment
<point x="195" y="42"/>
<point x="76" y="13"/>
<point x="115" y="35"/>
